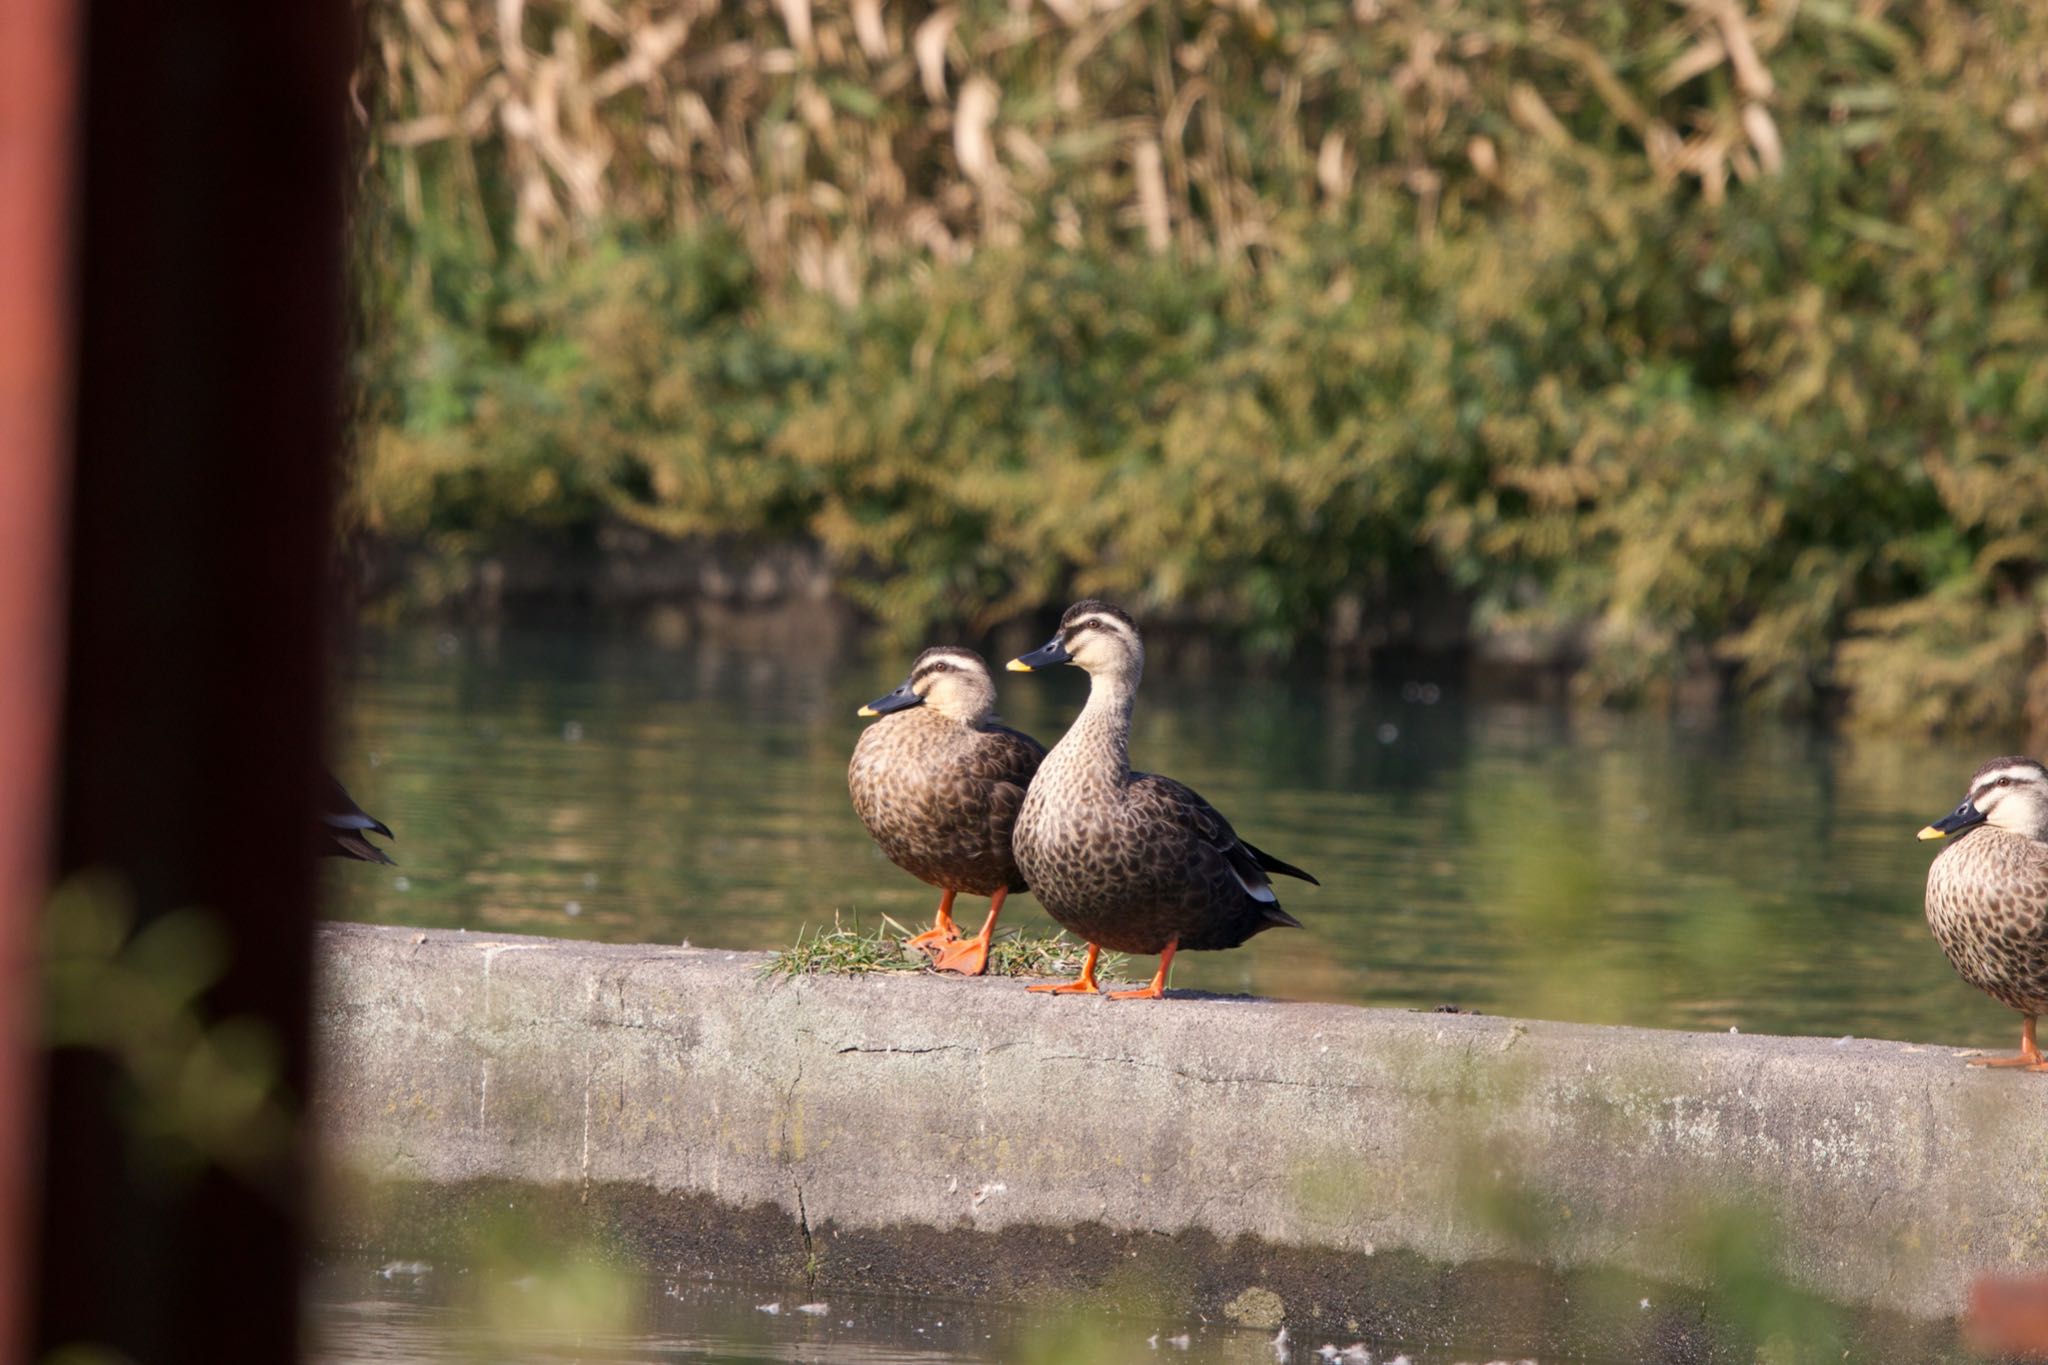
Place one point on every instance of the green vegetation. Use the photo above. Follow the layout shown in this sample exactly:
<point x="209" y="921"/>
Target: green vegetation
<point x="851" y="950"/>
<point x="197" y="1094"/>
<point x="1678" y="337"/>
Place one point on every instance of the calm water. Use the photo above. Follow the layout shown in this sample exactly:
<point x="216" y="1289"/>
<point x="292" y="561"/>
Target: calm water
<point x="1509" y="858"/>
<point x="433" y="1314"/>
<point x="425" y="1314"/>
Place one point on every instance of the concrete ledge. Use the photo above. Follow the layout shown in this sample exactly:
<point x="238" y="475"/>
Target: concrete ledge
<point x="1880" y="1175"/>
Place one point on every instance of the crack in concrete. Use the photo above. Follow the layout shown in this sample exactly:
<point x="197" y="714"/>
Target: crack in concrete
<point x="803" y="1223"/>
<point x="796" y="1185"/>
<point x="1199" y="1079"/>
<point x="905" y="1051"/>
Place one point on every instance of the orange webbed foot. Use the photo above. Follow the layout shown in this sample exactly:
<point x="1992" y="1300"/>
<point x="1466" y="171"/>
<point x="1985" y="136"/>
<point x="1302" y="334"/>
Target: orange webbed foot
<point x="1084" y="985"/>
<point x="1157" y="990"/>
<point x="2029" y="1055"/>
<point x="943" y="930"/>
<point x="969" y="957"/>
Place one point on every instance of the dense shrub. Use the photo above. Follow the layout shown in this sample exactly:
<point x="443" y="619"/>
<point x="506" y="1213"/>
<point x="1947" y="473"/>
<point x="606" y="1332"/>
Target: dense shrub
<point x="1676" y="333"/>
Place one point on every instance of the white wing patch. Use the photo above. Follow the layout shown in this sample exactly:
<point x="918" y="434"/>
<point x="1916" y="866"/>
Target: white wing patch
<point x="1262" y="890"/>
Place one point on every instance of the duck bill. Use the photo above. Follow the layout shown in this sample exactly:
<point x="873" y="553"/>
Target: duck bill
<point x="1045" y="656"/>
<point x="902" y="699"/>
<point x="1965" y="816"/>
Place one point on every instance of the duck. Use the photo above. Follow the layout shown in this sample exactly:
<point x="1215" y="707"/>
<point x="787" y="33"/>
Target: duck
<point x="344" y="830"/>
<point x="938" y="781"/>
<point x="1125" y="860"/>
<point x="1987" y="893"/>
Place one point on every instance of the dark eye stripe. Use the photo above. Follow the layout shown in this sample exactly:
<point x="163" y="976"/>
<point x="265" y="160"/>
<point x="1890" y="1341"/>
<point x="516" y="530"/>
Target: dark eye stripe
<point x="926" y="669"/>
<point x="2004" y="780"/>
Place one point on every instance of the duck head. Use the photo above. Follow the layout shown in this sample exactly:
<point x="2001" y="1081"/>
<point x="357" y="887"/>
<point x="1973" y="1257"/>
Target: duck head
<point x="948" y="678"/>
<point x="2010" y="793"/>
<point x="1094" y="636"/>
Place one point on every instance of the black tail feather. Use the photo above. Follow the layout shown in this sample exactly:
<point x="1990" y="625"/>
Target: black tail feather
<point x="1272" y="864"/>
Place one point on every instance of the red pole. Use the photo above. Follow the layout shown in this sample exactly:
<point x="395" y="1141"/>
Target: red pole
<point x="37" y="65"/>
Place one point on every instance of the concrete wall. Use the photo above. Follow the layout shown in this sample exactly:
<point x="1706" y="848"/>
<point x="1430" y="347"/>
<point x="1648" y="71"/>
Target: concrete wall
<point x="1877" y="1174"/>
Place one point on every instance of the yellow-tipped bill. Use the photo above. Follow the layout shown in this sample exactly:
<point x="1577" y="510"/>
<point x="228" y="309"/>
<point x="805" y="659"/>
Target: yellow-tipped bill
<point x="902" y="699"/>
<point x="1045" y="656"/>
<point x="1964" y="816"/>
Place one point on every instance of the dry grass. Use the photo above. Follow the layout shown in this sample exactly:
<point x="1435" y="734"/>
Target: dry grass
<point x="849" y="950"/>
<point x="843" y="137"/>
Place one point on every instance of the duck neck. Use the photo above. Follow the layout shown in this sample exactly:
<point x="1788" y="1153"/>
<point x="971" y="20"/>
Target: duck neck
<point x="1100" y="741"/>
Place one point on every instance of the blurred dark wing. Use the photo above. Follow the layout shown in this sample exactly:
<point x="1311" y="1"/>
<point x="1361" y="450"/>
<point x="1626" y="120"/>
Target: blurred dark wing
<point x="346" y="823"/>
<point x="356" y="846"/>
<point x="342" y="812"/>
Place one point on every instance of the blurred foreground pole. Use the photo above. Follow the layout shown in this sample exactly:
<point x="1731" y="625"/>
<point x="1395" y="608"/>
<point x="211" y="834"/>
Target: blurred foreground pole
<point x="208" y="324"/>
<point x="37" y="73"/>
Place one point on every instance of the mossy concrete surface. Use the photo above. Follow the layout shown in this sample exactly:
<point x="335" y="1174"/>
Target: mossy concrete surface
<point x="1874" y="1174"/>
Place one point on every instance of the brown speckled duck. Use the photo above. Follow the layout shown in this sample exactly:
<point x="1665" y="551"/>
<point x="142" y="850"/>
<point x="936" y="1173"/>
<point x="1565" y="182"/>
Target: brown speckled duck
<point x="938" y="783"/>
<point x="1131" y="861"/>
<point x="1987" y="893"/>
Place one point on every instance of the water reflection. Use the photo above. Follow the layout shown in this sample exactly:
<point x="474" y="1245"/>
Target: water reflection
<point x="1506" y="857"/>
<point x="428" y="1314"/>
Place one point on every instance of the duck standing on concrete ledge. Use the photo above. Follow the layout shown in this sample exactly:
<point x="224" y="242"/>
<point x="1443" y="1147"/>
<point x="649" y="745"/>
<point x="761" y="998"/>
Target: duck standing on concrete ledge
<point x="345" y="827"/>
<point x="938" y="782"/>
<point x="1987" y="893"/>
<point x="1131" y="861"/>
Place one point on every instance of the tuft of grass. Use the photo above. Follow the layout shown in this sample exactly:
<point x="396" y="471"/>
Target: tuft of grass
<point x="1015" y="953"/>
<point x="846" y="950"/>
<point x="850" y="950"/>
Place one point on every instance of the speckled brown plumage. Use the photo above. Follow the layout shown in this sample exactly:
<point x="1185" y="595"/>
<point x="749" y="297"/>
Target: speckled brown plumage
<point x="939" y="792"/>
<point x="1987" y="903"/>
<point x="1133" y="861"/>
<point x="1987" y="892"/>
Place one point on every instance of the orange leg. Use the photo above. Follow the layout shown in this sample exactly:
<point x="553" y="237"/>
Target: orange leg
<point x="1158" y="987"/>
<point x="1084" y="986"/>
<point x="943" y="930"/>
<point x="970" y="955"/>
<point x="2030" y="1053"/>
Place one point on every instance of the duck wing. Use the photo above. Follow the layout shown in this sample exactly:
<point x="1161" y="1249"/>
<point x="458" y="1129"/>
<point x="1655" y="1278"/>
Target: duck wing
<point x="1161" y="798"/>
<point x="1006" y="760"/>
<point x="348" y="825"/>
<point x="1007" y="755"/>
